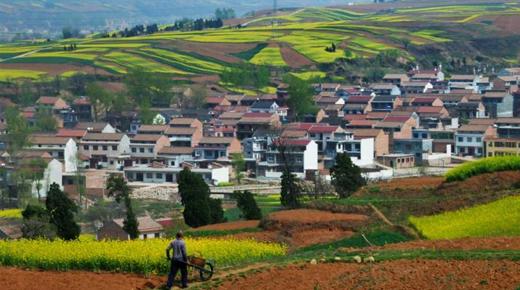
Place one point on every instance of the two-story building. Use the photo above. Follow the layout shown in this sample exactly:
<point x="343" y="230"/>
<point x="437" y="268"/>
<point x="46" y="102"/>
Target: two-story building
<point x="144" y="148"/>
<point x="63" y="149"/>
<point x="299" y="155"/>
<point x="212" y="149"/>
<point x="469" y="139"/>
<point x="106" y="150"/>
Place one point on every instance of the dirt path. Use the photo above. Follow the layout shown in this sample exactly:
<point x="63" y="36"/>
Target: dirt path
<point x="18" y="279"/>
<point x="403" y="274"/>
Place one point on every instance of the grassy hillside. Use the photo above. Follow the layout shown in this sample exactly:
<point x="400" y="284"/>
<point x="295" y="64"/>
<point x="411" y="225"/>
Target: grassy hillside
<point x="297" y="40"/>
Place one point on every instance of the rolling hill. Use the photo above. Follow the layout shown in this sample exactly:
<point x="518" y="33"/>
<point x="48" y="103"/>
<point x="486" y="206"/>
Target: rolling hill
<point x="296" y="42"/>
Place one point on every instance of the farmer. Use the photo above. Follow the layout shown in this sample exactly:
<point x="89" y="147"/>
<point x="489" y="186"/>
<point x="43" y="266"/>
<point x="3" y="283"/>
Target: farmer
<point x="179" y="260"/>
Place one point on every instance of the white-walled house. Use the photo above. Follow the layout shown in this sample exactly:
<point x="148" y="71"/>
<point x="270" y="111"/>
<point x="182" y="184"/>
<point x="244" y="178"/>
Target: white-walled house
<point x="469" y="139"/>
<point x="106" y="150"/>
<point x="61" y="148"/>
<point x="159" y="173"/>
<point x="302" y="155"/>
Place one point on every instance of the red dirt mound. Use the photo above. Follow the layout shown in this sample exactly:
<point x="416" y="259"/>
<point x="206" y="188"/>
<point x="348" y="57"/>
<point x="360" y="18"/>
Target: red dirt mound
<point x="402" y="274"/>
<point x="18" y="279"/>
<point x="230" y="226"/>
<point x="500" y="243"/>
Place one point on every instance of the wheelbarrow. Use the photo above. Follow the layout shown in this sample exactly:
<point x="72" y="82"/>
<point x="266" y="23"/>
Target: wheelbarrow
<point x="205" y="267"/>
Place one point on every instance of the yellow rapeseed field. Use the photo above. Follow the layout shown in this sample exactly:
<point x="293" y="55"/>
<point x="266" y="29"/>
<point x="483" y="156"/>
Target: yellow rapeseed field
<point x="11" y="213"/>
<point x="140" y="256"/>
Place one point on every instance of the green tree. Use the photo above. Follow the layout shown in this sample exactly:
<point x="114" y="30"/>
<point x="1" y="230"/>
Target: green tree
<point x="301" y="101"/>
<point x="45" y="121"/>
<point x="247" y="204"/>
<point x="239" y="165"/>
<point x="36" y="223"/>
<point x="61" y="213"/>
<point x="118" y="188"/>
<point x="148" y="88"/>
<point x="290" y="190"/>
<point x="100" y="98"/>
<point x="346" y="176"/>
<point x="199" y="208"/>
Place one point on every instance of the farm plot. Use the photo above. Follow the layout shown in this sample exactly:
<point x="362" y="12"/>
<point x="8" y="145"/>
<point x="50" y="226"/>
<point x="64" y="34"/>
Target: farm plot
<point x="183" y="62"/>
<point x="235" y="36"/>
<point x="130" y="61"/>
<point x="499" y="218"/>
<point x="139" y="256"/>
<point x="11" y="74"/>
<point x="486" y="165"/>
<point x="56" y="57"/>
<point x="269" y="56"/>
<point x="11" y="213"/>
<point x="313" y="44"/>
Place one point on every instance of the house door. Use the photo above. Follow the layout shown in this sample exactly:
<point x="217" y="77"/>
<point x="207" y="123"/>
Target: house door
<point x="139" y="177"/>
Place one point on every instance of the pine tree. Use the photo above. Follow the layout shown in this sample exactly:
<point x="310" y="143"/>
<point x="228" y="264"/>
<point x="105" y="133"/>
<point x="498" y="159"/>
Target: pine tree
<point x="346" y="176"/>
<point x="199" y="208"/>
<point x="61" y="212"/>
<point x="290" y="190"/>
<point x="247" y="204"/>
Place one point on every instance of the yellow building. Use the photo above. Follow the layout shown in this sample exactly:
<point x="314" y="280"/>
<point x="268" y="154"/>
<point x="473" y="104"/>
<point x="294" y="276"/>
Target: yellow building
<point x="502" y="147"/>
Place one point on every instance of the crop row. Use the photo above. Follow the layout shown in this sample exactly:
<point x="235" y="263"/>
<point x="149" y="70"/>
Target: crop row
<point x="486" y="165"/>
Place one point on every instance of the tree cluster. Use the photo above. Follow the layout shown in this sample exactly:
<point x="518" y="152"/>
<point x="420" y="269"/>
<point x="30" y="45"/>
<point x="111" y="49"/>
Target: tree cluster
<point x="137" y="30"/>
<point x="331" y="48"/>
<point x="198" y="24"/>
<point x="301" y="101"/>
<point x="247" y="204"/>
<point x="225" y="13"/>
<point x="56" y="219"/>
<point x="199" y="208"/>
<point x="246" y="75"/>
<point x="68" y="32"/>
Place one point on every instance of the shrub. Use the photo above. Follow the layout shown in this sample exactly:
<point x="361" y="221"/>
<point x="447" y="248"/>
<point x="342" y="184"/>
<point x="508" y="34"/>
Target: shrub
<point x="486" y="165"/>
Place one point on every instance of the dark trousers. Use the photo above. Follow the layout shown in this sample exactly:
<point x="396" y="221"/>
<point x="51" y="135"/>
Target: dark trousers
<point x="175" y="267"/>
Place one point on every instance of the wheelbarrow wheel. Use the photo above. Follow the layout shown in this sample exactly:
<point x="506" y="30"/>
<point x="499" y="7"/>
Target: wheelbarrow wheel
<point x="206" y="272"/>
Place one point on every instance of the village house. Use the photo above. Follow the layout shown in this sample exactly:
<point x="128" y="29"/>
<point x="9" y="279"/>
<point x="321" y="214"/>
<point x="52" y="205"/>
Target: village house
<point x="397" y="160"/>
<point x="396" y="79"/>
<point x="144" y="148"/>
<point x="498" y="104"/>
<point x="175" y="156"/>
<point x="113" y="229"/>
<point x="95" y="127"/>
<point x="250" y="122"/>
<point x="469" y="139"/>
<point x="106" y="150"/>
<point x="386" y="103"/>
<point x="83" y="109"/>
<point x="386" y="89"/>
<point x="157" y="173"/>
<point x="415" y="87"/>
<point x="61" y="148"/>
<point x="300" y="155"/>
<point x="381" y="139"/>
<point x="212" y="149"/>
<point x="399" y="125"/>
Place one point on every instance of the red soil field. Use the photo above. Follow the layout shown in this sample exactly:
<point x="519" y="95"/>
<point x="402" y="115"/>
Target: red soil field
<point x="18" y="279"/>
<point x="311" y="216"/>
<point x="402" y="274"/>
<point x="500" y="243"/>
<point x="220" y="51"/>
<point x="230" y="226"/>
<point x="293" y="58"/>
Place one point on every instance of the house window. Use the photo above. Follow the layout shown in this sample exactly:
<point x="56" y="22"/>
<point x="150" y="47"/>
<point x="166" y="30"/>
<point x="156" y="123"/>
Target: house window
<point x="133" y="150"/>
<point x="114" y="147"/>
<point x="158" y="175"/>
<point x="141" y="150"/>
<point x="105" y="148"/>
<point x="150" y="150"/>
<point x="149" y="175"/>
<point x="479" y="139"/>
<point x="469" y="139"/>
<point x="157" y="235"/>
<point x="85" y="147"/>
<point x="95" y="147"/>
<point x="461" y="139"/>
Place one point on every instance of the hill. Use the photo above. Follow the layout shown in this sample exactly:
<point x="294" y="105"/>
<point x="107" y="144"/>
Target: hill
<point x="50" y="16"/>
<point x="476" y="32"/>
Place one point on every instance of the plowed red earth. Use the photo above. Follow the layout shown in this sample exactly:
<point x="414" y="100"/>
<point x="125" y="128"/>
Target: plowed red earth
<point x="313" y="216"/>
<point x="18" y="279"/>
<point x="402" y="274"/>
<point x="230" y="226"/>
<point x="502" y="243"/>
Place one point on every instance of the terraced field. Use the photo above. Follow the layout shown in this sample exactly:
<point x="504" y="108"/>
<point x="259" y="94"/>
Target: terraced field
<point x="295" y="39"/>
